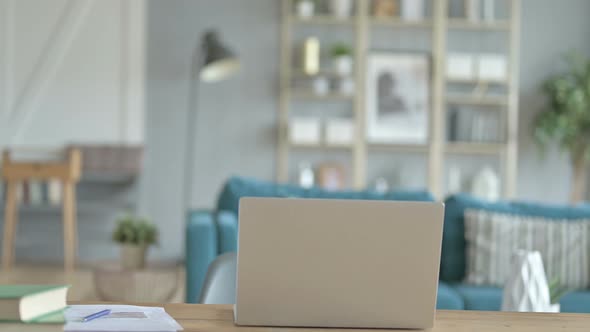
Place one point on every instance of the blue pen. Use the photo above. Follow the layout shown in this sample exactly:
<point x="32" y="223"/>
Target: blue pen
<point x="96" y="315"/>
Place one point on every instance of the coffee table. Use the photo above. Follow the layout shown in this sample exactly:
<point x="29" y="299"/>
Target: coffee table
<point x="209" y="317"/>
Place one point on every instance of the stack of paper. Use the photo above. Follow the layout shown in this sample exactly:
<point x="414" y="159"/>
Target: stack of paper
<point x="123" y="318"/>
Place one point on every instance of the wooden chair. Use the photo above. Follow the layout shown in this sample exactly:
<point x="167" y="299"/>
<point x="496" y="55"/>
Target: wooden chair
<point x="68" y="173"/>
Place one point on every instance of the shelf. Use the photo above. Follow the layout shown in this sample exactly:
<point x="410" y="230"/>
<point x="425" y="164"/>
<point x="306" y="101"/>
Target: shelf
<point x="313" y="96"/>
<point x="476" y="81"/>
<point x="299" y="73"/>
<point x="474" y="148"/>
<point x="393" y="147"/>
<point x="464" y="24"/>
<point x="477" y="100"/>
<point x="320" y="146"/>
<point x="400" y="23"/>
<point x="323" y="20"/>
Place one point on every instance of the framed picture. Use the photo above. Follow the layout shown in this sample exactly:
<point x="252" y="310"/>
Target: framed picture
<point x="397" y="98"/>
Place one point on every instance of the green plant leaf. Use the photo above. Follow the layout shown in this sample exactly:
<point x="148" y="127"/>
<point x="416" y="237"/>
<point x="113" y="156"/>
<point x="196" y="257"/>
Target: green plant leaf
<point x="340" y="49"/>
<point x="135" y="230"/>
<point x="565" y="119"/>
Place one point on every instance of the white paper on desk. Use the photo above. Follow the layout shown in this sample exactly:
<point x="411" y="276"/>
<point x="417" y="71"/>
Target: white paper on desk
<point x="156" y="320"/>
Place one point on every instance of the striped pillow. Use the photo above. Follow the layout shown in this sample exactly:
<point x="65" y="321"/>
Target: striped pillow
<point x="492" y="238"/>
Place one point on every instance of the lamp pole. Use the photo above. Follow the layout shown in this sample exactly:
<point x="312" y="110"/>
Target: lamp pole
<point x="211" y="61"/>
<point x="190" y="133"/>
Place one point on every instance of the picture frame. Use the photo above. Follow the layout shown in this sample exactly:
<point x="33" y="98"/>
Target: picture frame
<point x="398" y="99"/>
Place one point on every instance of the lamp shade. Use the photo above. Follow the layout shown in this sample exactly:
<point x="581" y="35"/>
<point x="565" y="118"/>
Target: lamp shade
<point x="219" y="61"/>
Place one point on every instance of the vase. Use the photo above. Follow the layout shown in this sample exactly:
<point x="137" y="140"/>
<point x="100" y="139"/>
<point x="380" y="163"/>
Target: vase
<point x="341" y="8"/>
<point x="311" y="56"/>
<point x="343" y="65"/>
<point x="133" y="256"/>
<point x="305" y="8"/>
<point x="526" y="287"/>
<point x="486" y="185"/>
<point x="412" y="10"/>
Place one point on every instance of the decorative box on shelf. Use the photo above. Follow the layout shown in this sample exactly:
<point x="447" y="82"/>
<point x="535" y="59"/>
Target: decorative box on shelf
<point x="339" y="131"/>
<point x="305" y="130"/>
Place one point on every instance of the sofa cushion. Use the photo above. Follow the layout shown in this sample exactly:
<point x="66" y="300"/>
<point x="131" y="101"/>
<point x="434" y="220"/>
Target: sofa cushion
<point x="480" y="297"/>
<point x="237" y="187"/>
<point x="448" y="298"/>
<point x="453" y="245"/>
<point x="493" y="238"/>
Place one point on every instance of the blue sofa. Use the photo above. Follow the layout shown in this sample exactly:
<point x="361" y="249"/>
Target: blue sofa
<point x="211" y="233"/>
<point x="453" y="249"/>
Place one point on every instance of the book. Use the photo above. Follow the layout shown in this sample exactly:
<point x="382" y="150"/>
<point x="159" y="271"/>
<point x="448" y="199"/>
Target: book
<point x="32" y="303"/>
<point x="54" y="192"/>
<point x="35" y="192"/>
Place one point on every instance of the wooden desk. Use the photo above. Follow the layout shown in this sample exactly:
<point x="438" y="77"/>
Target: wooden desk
<point x="203" y="317"/>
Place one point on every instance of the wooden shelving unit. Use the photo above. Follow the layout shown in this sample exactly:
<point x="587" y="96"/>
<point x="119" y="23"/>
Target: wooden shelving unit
<point x="436" y="151"/>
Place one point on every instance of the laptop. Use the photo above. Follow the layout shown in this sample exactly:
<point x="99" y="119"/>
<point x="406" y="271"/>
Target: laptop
<point x="337" y="263"/>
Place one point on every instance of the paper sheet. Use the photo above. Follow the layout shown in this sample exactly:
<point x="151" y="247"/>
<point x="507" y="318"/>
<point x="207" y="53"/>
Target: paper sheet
<point x="123" y="318"/>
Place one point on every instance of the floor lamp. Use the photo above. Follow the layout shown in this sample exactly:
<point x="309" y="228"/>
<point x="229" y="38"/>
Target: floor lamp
<point x="211" y="62"/>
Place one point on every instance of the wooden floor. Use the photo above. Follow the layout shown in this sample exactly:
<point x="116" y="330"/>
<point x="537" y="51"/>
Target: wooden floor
<point x="81" y="281"/>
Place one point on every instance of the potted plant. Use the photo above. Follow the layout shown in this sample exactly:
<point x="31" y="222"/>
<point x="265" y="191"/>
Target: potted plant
<point x="342" y="59"/>
<point x="305" y="8"/>
<point x="135" y="235"/>
<point x="566" y="119"/>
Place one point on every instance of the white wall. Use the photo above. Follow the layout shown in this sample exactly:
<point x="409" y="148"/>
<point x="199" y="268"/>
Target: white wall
<point x="71" y="71"/>
<point x="236" y="118"/>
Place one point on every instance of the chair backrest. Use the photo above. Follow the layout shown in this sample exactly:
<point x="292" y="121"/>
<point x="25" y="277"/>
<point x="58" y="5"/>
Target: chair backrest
<point x="219" y="286"/>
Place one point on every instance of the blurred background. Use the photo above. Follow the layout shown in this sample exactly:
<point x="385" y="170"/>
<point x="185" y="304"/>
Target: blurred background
<point x="164" y="101"/>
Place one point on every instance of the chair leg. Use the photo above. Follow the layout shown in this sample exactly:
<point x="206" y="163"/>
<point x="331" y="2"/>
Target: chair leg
<point x="10" y="220"/>
<point x="69" y="225"/>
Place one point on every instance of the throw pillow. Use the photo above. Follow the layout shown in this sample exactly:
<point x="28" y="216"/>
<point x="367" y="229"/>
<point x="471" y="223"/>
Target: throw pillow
<point x="493" y="237"/>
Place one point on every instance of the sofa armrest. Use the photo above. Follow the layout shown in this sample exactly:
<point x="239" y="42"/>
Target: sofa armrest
<point x="201" y="249"/>
<point x="227" y="223"/>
